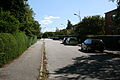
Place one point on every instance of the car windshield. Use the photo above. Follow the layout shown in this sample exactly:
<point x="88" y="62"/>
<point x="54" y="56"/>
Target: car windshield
<point x="88" y="41"/>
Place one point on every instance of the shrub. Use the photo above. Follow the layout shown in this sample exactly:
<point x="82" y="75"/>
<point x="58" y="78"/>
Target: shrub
<point x="1" y="45"/>
<point x="21" y="39"/>
<point x="10" y="46"/>
<point x="13" y="45"/>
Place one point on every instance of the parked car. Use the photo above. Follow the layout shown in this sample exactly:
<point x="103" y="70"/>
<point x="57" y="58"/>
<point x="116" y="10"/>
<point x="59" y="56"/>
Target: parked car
<point x="92" y="45"/>
<point x="71" y="41"/>
<point x="64" y="40"/>
<point x="56" y="38"/>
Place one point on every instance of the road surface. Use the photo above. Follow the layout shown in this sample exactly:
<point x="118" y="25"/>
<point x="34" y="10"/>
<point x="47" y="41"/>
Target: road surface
<point x="26" y="67"/>
<point x="65" y="62"/>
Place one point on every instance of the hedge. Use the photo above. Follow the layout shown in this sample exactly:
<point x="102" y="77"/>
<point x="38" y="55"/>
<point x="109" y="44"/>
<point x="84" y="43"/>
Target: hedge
<point x="9" y="48"/>
<point x="13" y="45"/>
<point x="111" y="41"/>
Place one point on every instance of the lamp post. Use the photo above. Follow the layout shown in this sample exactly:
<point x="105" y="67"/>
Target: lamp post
<point x="78" y="15"/>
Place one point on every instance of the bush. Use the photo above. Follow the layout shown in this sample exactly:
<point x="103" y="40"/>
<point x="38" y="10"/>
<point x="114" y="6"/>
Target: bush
<point x="1" y="45"/>
<point x="13" y="45"/>
<point x="21" y="39"/>
<point x="10" y="46"/>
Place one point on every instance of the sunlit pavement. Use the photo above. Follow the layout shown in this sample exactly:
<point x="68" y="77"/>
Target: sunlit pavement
<point x="26" y="67"/>
<point x="68" y="63"/>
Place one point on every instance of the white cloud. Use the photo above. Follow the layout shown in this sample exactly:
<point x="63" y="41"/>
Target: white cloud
<point x="45" y="21"/>
<point x="48" y="19"/>
<point x="51" y="17"/>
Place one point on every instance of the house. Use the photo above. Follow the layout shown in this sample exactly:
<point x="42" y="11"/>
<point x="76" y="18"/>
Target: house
<point x="109" y="23"/>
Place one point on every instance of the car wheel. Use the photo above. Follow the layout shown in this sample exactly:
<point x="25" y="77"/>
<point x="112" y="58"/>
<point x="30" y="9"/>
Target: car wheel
<point x="81" y="48"/>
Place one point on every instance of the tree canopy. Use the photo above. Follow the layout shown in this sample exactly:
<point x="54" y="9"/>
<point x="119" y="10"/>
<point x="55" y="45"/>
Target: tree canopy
<point x="22" y="14"/>
<point x="91" y="25"/>
<point x="69" y="25"/>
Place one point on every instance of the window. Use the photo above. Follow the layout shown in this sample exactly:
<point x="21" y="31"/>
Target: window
<point x="88" y="41"/>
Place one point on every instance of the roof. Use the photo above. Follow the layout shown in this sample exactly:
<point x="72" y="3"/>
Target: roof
<point x="111" y="11"/>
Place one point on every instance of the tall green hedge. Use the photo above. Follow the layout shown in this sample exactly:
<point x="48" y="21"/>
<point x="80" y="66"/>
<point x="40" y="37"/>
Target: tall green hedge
<point x="9" y="48"/>
<point x="13" y="45"/>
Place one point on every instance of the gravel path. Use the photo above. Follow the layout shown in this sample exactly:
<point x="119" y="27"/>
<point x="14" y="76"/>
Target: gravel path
<point x="26" y="67"/>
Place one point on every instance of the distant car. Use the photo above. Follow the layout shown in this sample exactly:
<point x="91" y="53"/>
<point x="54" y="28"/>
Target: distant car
<point x="56" y="38"/>
<point x="92" y="44"/>
<point x="71" y="41"/>
<point x="64" y="40"/>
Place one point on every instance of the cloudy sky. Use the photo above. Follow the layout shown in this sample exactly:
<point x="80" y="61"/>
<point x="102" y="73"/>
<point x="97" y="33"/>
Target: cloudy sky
<point x="53" y="14"/>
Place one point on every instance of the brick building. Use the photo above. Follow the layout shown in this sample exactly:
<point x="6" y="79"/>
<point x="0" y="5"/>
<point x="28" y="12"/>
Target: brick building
<point x="109" y="28"/>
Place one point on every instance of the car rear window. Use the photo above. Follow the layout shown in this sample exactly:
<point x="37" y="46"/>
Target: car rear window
<point x="88" y="41"/>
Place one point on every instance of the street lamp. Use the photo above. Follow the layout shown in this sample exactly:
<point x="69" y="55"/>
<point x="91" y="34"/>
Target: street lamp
<point x="78" y="16"/>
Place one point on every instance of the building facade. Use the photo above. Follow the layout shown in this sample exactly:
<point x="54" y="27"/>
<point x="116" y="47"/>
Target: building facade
<point x="109" y="23"/>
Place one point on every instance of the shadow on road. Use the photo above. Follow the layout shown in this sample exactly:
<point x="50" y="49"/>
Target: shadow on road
<point x="102" y="66"/>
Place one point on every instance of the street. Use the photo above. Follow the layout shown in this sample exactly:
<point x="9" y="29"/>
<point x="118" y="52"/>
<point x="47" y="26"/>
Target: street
<point x="65" y="62"/>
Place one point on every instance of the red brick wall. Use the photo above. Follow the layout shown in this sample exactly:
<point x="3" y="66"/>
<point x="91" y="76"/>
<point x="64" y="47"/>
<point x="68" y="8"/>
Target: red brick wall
<point x="109" y="22"/>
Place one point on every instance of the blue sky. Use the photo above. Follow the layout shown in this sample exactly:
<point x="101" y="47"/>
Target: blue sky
<point x="55" y="13"/>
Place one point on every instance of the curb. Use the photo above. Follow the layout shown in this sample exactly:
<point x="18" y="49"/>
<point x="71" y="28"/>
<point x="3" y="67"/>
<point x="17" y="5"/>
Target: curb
<point x="112" y="52"/>
<point x="43" y="71"/>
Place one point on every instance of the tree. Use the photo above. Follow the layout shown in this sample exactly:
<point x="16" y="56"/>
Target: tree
<point x="69" y="25"/>
<point x="8" y="23"/>
<point x="24" y="14"/>
<point x="92" y="25"/>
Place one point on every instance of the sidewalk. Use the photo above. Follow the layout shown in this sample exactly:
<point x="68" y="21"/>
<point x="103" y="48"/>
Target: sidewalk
<point x="26" y="67"/>
<point x="112" y="52"/>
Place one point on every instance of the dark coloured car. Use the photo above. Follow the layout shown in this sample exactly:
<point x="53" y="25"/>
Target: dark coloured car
<point x="71" y="41"/>
<point x="64" y="40"/>
<point x="56" y="38"/>
<point x="92" y="45"/>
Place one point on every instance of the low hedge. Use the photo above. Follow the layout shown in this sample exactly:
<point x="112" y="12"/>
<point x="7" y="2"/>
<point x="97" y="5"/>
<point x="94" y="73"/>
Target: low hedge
<point x="111" y="41"/>
<point x="13" y="45"/>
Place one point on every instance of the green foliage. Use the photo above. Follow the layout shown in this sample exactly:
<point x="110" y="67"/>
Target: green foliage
<point x="45" y="35"/>
<point x="10" y="46"/>
<point x="90" y="25"/>
<point x="13" y="45"/>
<point x="1" y="45"/>
<point x="21" y="39"/>
<point x="18" y="29"/>
<point x="48" y="34"/>
<point x="69" y="25"/>
<point x="24" y="15"/>
<point x="111" y="41"/>
<point x="8" y="23"/>
<point x="16" y="7"/>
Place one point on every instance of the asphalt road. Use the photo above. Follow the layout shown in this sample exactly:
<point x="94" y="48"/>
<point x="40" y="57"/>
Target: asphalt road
<point x="26" y="67"/>
<point x="65" y="62"/>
